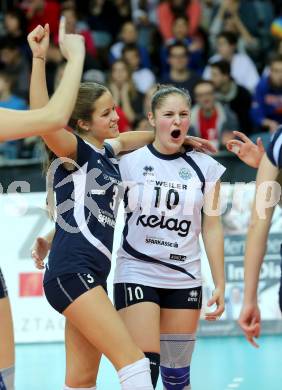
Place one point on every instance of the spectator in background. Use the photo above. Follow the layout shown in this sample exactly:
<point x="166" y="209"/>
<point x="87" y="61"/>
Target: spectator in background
<point x="42" y="12"/>
<point x="243" y="70"/>
<point x="194" y="44"/>
<point x="210" y="119"/>
<point x="228" y="19"/>
<point x="267" y="101"/>
<point x="143" y="78"/>
<point x="125" y="94"/>
<point x="238" y="98"/>
<point x="15" y="25"/>
<point x="168" y="10"/>
<point x="10" y="149"/>
<point x="16" y="65"/>
<point x="129" y="35"/>
<point x="179" y="74"/>
<point x="73" y="27"/>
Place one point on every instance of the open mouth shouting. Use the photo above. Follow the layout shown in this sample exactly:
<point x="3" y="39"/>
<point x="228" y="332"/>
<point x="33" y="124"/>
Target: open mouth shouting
<point x="176" y="134"/>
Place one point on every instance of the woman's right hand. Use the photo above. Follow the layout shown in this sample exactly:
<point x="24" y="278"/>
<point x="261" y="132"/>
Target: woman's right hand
<point x="71" y="45"/>
<point x="38" y="40"/>
<point x="247" y="151"/>
<point x="39" y="251"/>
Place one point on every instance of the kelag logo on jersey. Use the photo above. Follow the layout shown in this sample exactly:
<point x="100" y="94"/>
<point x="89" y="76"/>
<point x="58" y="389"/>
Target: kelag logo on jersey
<point x="148" y="170"/>
<point x="185" y="174"/>
<point x="173" y="224"/>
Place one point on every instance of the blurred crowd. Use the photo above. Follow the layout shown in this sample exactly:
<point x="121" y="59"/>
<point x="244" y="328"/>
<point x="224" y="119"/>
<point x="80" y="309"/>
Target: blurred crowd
<point x="226" y="53"/>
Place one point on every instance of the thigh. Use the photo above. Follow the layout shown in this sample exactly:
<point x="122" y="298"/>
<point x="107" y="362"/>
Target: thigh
<point x="143" y="323"/>
<point x="180" y="321"/>
<point x="82" y="358"/>
<point x="7" y="353"/>
<point x="93" y="314"/>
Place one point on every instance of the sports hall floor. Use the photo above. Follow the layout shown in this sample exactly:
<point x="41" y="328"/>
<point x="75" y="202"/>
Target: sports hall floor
<point x="219" y="364"/>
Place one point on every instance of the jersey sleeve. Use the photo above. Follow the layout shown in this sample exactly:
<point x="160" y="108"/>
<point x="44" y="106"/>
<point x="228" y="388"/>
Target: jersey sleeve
<point x="274" y="149"/>
<point x="213" y="173"/>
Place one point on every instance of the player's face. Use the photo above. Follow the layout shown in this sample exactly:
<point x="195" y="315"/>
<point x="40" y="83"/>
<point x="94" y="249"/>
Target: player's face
<point x="171" y="122"/>
<point x="104" y="123"/>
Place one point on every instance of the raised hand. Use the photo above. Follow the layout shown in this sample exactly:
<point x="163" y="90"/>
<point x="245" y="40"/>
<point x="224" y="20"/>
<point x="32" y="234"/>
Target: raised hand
<point x="200" y="144"/>
<point x="71" y="45"/>
<point x="249" y="152"/>
<point x="38" y="40"/>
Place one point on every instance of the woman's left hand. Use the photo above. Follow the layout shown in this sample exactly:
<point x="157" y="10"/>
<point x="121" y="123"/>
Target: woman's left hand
<point x="200" y="144"/>
<point x="218" y="299"/>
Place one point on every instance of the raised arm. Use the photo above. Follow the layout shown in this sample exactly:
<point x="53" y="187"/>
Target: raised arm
<point x="61" y="142"/>
<point x="255" y="249"/>
<point x="20" y="124"/>
<point x="212" y="233"/>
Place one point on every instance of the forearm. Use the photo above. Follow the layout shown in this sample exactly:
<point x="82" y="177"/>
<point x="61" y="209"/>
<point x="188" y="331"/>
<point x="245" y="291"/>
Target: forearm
<point x="63" y="100"/>
<point x="214" y="245"/>
<point x="126" y="106"/>
<point x="135" y="139"/>
<point x="254" y="255"/>
<point x="38" y="93"/>
<point x="49" y="237"/>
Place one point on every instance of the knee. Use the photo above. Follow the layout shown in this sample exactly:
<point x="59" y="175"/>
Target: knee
<point x="176" y="355"/>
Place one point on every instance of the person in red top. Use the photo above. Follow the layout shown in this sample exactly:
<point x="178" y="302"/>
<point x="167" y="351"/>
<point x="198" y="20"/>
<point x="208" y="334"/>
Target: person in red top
<point x="209" y="118"/>
<point x="42" y="12"/>
<point x="170" y="9"/>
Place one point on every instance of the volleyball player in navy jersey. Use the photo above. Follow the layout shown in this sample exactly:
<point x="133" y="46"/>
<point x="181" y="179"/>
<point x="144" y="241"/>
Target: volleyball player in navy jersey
<point x="87" y="194"/>
<point x="269" y="165"/>
<point x="18" y="124"/>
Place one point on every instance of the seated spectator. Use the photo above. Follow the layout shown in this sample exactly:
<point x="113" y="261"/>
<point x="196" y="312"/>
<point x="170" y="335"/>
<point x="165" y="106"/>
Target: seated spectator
<point x="129" y="35"/>
<point x="194" y="44"/>
<point x="209" y="118"/>
<point x="10" y="149"/>
<point x="243" y="70"/>
<point x="42" y="12"/>
<point x="16" y="65"/>
<point x="179" y="74"/>
<point x="125" y="94"/>
<point x="238" y="98"/>
<point x="267" y="101"/>
<point x="143" y="78"/>
<point x="168" y="10"/>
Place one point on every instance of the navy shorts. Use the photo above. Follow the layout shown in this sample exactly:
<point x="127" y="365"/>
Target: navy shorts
<point x="65" y="289"/>
<point x="3" y="287"/>
<point x="127" y="294"/>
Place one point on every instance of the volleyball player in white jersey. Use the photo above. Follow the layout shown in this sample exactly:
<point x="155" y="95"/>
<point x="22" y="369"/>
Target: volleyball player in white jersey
<point x="18" y="124"/>
<point x="157" y="280"/>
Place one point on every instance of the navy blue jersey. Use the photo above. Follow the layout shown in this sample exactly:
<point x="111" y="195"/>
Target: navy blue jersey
<point x="86" y="201"/>
<point x="274" y="150"/>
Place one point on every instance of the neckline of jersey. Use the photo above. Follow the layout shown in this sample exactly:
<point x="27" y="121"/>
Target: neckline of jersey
<point x="101" y="151"/>
<point x="163" y="156"/>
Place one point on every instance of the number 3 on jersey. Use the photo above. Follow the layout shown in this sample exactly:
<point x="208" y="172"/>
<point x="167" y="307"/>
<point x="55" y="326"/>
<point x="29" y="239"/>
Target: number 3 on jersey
<point x="114" y="201"/>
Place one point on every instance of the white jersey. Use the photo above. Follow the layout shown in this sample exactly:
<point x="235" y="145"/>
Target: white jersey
<point x="164" y="196"/>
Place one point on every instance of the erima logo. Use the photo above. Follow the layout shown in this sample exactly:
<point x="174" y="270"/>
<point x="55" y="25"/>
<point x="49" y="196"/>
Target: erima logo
<point x="177" y="257"/>
<point x="193" y="296"/>
<point x="148" y="170"/>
